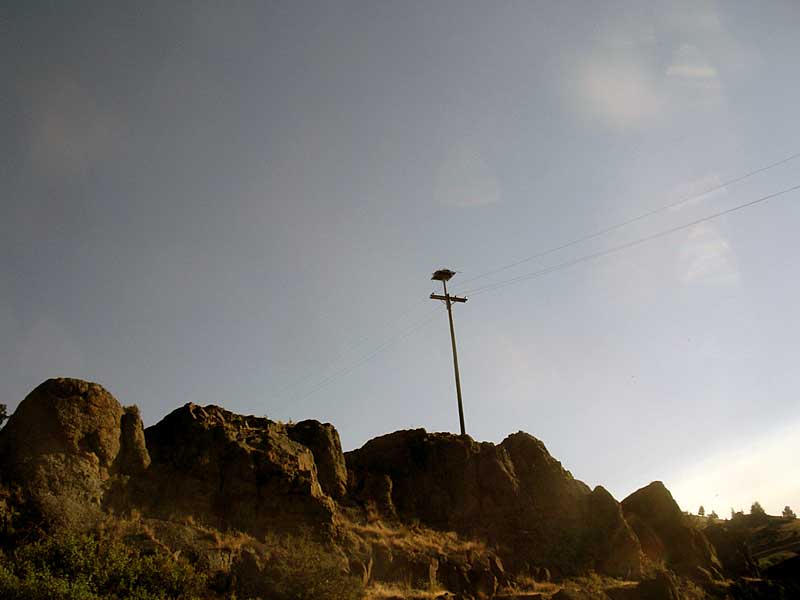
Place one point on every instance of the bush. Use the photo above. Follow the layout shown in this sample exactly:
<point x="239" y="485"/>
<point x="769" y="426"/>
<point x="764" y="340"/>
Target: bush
<point x="299" y="568"/>
<point x="757" y="510"/>
<point x="81" y="567"/>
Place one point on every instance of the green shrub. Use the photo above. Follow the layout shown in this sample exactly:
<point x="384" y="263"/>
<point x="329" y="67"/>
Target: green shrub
<point x="299" y="568"/>
<point x="81" y="567"/>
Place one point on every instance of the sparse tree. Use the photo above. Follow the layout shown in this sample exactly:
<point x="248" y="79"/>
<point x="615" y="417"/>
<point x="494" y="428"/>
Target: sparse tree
<point x="756" y="509"/>
<point x="788" y="513"/>
<point x="713" y="516"/>
<point x="701" y="511"/>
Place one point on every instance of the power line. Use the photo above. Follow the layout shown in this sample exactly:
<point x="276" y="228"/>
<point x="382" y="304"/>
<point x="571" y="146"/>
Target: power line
<point x="629" y="221"/>
<point x="586" y="258"/>
<point x="361" y="341"/>
<point x="596" y="255"/>
<point x="480" y="290"/>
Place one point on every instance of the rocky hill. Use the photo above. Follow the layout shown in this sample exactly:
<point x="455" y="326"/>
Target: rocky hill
<point x="243" y="501"/>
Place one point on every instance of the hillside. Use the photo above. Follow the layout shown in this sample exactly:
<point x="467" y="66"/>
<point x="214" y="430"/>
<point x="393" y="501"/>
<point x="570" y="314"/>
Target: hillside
<point x="211" y="504"/>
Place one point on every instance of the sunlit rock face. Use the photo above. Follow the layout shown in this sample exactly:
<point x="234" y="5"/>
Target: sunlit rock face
<point x="70" y="443"/>
<point x="513" y="494"/>
<point x="76" y="451"/>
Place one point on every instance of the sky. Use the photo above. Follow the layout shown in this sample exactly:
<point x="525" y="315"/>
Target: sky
<point x="242" y="203"/>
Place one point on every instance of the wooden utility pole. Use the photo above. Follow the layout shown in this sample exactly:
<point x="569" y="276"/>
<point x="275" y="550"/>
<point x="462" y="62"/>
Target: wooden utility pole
<point x="444" y="275"/>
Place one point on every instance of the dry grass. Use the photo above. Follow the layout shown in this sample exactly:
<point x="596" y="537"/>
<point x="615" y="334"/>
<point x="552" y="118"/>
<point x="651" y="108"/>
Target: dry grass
<point x="415" y="538"/>
<point x="527" y="584"/>
<point x="174" y="536"/>
<point x="380" y="591"/>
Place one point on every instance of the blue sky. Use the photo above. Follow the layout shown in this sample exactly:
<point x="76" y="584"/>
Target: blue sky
<point x="242" y="205"/>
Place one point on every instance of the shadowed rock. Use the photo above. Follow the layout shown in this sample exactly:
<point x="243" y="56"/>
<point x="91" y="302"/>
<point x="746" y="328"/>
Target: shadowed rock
<point x="616" y="549"/>
<point x="514" y="495"/>
<point x="666" y="536"/>
<point x="233" y="471"/>
<point x="74" y="450"/>
<point x="323" y="441"/>
<point x="133" y="457"/>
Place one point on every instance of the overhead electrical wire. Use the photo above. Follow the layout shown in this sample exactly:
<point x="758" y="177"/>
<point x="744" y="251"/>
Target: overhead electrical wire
<point x="626" y="222"/>
<point x="636" y="242"/>
<point x="497" y="285"/>
<point x="588" y="257"/>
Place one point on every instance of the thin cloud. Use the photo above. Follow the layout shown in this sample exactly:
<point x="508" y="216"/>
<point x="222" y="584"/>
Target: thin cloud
<point x="625" y="83"/>
<point x="620" y="92"/>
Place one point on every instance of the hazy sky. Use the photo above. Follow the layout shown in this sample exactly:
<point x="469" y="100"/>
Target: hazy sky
<point x="239" y="203"/>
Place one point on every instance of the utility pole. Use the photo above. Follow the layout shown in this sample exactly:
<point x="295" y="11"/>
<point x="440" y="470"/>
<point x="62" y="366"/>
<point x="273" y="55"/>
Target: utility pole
<point x="444" y="275"/>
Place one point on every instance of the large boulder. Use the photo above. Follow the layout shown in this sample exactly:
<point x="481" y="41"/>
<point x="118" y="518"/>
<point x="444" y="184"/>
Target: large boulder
<point x="667" y="536"/>
<point x="514" y="495"/>
<point x="235" y="471"/>
<point x="68" y="443"/>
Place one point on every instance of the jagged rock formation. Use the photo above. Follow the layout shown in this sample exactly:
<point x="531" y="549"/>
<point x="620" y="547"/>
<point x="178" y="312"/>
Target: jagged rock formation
<point x="411" y="507"/>
<point x="235" y="471"/>
<point x="323" y="441"/>
<point x="666" y="536"/>
<point x="514" y="494"/>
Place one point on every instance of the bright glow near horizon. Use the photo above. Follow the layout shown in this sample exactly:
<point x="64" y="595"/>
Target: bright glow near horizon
<point x="764" y="469"/>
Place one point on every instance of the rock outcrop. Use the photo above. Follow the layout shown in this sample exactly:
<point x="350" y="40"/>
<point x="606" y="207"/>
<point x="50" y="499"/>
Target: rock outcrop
<point x="665" y="535"/>
<point x="514" y="495"/>
<point x="233" y="471"/>
<point x="411" y="507"/>
<point x="323" y="441"/>
<point x="67" y="442"/>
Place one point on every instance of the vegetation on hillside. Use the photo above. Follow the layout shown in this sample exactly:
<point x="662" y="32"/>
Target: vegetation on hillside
<point x="83" y="567"/>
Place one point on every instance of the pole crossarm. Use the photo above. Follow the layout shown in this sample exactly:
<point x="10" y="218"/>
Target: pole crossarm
<point x="445" y="298"/>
